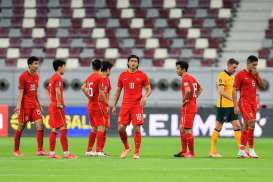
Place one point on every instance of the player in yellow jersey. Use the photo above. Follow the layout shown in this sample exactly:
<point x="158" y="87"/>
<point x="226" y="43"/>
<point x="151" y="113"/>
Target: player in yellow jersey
<point x="225" y="106"/>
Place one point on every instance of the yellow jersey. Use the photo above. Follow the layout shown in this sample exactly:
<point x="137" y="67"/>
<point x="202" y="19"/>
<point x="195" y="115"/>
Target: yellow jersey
<point x="225" y="79"/>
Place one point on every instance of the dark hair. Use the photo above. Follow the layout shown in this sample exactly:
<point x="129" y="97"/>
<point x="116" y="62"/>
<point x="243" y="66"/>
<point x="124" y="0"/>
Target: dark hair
<point x="183" y="64"/>
<point x="106" y="65"/>
<point x="31" y="60"/>
<point x="252" y="59"/>
<point x="233" y="61"/>
<point x="58" y="63"/>
<point x="96" y="64"/>
<point x="133" y="56"/>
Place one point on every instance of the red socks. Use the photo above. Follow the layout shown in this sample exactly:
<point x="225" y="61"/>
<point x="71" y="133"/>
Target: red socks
<point x="244" y="138"/>
<point x="124" y="139"/>
<point x="40" y="139"/>
<point x="63" y="138"/>
<point x="91" y="141"/>
<point x="250" y="137"/>
<point x="100" y="139"/>
<point x="190" y="142"/>
<point x="17" y="137"/>
<point x="137" y="140"/>
<point x="183" y="142"/>
<point x="52" y="141"/>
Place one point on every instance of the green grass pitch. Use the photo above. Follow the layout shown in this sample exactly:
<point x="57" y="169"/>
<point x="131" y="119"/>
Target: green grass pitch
<point x="156" y="163"/>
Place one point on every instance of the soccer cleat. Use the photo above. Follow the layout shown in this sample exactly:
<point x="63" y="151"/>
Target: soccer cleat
<point x="41" y="153"/>
<point x="90" y="154"/>
<point x="136" y="156"/>
<point x="53" y="156"/>
<point x="70" y="156"/>
<point x="101" y="154"/>
<point x="180" y="154"/>
<point x="17" y="153"/>
<point x="124" y="153"/>
<point x="189" y="155"/>
<point x="252" y="154"/>
<point x="242" y="154"/>
<point x="215" y="155"/>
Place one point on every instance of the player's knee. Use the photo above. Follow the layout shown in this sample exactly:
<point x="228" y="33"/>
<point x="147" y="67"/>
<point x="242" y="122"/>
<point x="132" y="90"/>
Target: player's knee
<point x="101" y="128"/>
<point x="252" y="124"/>
<point x="121" y="128"/>
<point x="137" y="128"/>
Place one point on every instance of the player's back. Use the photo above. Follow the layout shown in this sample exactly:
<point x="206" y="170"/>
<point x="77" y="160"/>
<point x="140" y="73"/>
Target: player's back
<point x="105" y="85"/>
<point x="54" y="82"/>
<point x="194" y="86"/>
<point x="93" y="85"/>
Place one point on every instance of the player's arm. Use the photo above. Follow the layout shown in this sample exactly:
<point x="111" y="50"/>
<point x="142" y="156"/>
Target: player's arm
<point x="116" y="98"/>
<point x="19" y="100"/>
<point x="148" y="92"/>
<point x="39" y="102"/>
<point x="187" y="89"/>
<point x="199" y="90"/>
<point x="261" y="82"/>
<point x="58" y="97"/>
<point x="235" y="93"/>
<point x="104" y="97"/>
<point x="85" y="90"/>
<point x="221" y="91"/>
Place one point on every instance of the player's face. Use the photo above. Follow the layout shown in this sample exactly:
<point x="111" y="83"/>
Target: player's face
<point x="61" y="69"/>
<point x="133" y="63"/>
<point x="34" y="66"/>
<point x="252" y="67"/>
<point x="232" y="68"/>
<point x="179" y="71"/>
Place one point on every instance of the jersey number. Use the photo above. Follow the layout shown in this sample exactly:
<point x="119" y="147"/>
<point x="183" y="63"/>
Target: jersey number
<point x="131" y="85"/>
<point x="194" y="89"/>
<point x="90" y="89"/>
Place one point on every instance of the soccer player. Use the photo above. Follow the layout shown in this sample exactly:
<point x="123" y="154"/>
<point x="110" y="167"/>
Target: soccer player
<point x="191" y="89"/>
<point x="132" y="81"/>
<point x="246" y="82"/>
<point x="106" y="87"/>
<point x="28" y="106"/>
<point x="93" y="91"/>
<point x="225" y="106"/>
<point x="57" y="119"/>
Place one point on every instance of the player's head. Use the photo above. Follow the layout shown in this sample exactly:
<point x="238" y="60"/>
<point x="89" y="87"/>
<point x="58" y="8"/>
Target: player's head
<point x="33" y="63"/>
<point x="96" y="65"/>
<point x="58" y="66"/>
<point x="133" y="62"/>
<point x="252" y="63"/>
<point x="106" y="67"/>
<point x="232" y="65"/>
<point x="181" y="67"/>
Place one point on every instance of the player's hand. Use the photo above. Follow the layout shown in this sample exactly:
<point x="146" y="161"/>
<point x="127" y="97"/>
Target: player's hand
<point x="60" y="106"/>
<point x="17" y="109"/>
<point x="185" y="102"/>
<point x="143" y="101"/>
<point x="236" y="109"/>
<point x="114" y="110"/>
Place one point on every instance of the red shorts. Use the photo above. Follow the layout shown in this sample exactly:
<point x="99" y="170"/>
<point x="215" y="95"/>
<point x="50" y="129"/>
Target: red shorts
<point x="56" y="117"/>
<point x="29" y="114"/>
<point x="96" y="116"/>
<point x="187" y="118"/>
<point x="130" y="114"/>
<point x="248" y="111"/>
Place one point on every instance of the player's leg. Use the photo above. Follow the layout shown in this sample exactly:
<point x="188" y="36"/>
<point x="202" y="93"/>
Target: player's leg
<point x="123" y="121"/>
<point x="37" y="117"/>
<point x="190" y="142"/>
<point x="237" y="131"/>
<point x="92" y="134"/>
<point x="250" y="133"/>
<point x="214" y="138"/>
<point x="17" y="138"/>
<point x="52" y="143"/>
<point x="100" y="140"/>
<point x="64" y="143"/>
<point x="137" y="140"/>
<point x="183" y="140"/>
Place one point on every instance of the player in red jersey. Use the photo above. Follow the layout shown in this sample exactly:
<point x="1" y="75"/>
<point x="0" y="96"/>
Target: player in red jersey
<point x="132" y="81"/>
<point x="57" y="119"/>
<point x="191" y="89"/>
<point x="246" y="82"/>
<point x="93" y="91"/>
<point x="28" y="106"/>
<point x="106" y="87"/>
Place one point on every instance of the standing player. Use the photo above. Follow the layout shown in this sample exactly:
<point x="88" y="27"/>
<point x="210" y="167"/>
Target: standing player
<point x="92" y="89"/>
<point x="132" y="81"/>
<point x="28" y="106"/>
<point x="246" y="82"/>
<point x="106" y="87"/>
<point x="225" y="106"/>
<point x="57" y="119"/>
<point x="191" y="89"/>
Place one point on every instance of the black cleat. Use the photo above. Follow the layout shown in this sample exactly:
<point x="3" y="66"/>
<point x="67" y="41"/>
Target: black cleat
<point x="180" y="154"/>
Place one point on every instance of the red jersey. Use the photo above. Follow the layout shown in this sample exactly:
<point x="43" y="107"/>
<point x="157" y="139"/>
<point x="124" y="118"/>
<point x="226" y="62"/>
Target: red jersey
<point x="105" y="85"/>
<point x="54" y="82"/>
<point x="246" y="83"/>
<point x="29" y="83"/>
<point x="194" y="87"/>
<point x="133" y="84"/>
<point x="93" y="84"/>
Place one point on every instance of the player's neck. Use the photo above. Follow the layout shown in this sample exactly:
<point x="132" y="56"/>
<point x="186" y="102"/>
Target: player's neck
<point x="103" y="74"/>
<point x="31" y="71"/>
<point x="132" y="70"/>
<point x="58" y="73"/>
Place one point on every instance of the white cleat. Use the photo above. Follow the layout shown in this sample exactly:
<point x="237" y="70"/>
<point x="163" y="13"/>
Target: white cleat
<point x="252" y="154"/>
<point x="90" y="154"/>
<point x="101" y="154"/>
<point x="136" y="156"/>
<point x="242" y="154"/>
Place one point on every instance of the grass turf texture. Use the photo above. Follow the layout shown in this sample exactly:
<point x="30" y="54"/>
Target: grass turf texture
<point x="156" y="163"/>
